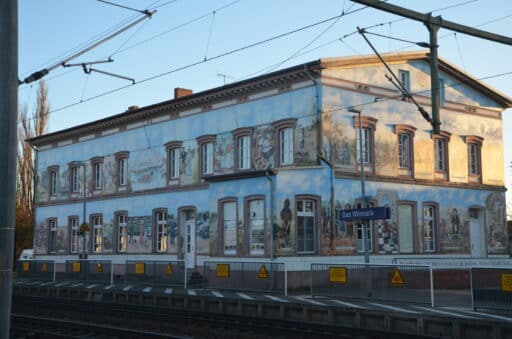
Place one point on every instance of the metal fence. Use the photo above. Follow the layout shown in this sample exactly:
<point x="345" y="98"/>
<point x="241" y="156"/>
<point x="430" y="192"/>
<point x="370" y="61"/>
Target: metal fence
<point x="94" y="271"/>
<point x="396" y="283"/>
<point x="156" y="272"/>
<point x="245" y="276"/>
<point x="491" y="288"/>
<point x="37" y="270"/>
<point x="453" y="262"/>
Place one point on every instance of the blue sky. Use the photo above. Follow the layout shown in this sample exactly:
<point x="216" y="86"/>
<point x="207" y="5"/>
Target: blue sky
<point x="184" y="32"/>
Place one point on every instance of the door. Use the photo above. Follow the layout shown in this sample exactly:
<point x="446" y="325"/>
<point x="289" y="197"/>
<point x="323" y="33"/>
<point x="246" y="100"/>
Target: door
<point x="476" y="233"/>
<point x="190" y="238"/>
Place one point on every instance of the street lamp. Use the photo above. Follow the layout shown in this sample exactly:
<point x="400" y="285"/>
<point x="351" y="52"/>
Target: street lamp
<point x="363" y="202"/>
<point x="84" y="227"/>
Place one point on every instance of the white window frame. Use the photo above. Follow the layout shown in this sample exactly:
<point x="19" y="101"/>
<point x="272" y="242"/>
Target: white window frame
<point x="286" y="146"/>
<point x="74" y="179"/>
<point x="122" y="171"/>
<point x="256" y="226"/>
<point x="229" y="224"/>
<point x="440" y="154"/>
<point x="405" y="79"/>
<point x="474" y="158"/>
<point x="244" y="152"/>
<point x="207" y="158"/>
<point x="97" y="239"/>
<point x="367" y="146"/>
<point x="53" y="182"/>
<point x="306" y="211"/>
<point x="122" y="232"/>
<point x="97" y="175"/>
<point x="429" y="227"/>
<point x="404" y="150"/>
<point x="174" y="162"/>
<point x="73" y="236"/>
<point x="162" y="231"/>
<point x="52" y="236"/>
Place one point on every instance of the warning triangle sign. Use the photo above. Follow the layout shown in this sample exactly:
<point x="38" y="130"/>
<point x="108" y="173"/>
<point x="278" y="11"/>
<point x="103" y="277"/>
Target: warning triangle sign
<point x="168" y="270"/>
<point x="263" y="274"/>
<point x="397" y="278"/>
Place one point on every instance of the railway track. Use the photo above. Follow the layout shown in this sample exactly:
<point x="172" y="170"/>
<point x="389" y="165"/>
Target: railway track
<point x="37" y="317"/>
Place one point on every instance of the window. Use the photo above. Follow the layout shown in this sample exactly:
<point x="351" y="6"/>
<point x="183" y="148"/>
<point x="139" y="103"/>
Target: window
<point x="97" y="175"/>
<point x="229" y="217"/>
<point x="256" y="225"/>
<point x="285" y="141"/>
<point x="242" y="137"/>
<point x="441" y="154"/>
<point x="206" y="153"/>
<point x="161" y="229"/>
<point x="73" y="234"/>
<point x="74" y="178"/>
<point x="122" y="232"/>
<point x="97" y="235"/>
<point x="306" y="215"/>
<point x="405" y="135"/>
<point x="429" y="228"/>
<point x="474" y="158"/>
<point x="404" y="77"/>
<point x="53" y="174"/>
<point x="360" y="232"/>
<point x="52" y="236"/>
<point x="365" y="145"/>
<point x="173" y="159"/>
<point x="122" y="169"/>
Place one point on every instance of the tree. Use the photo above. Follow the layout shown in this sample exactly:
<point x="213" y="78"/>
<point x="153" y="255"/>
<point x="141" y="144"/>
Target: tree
<point x="28" y="127"/>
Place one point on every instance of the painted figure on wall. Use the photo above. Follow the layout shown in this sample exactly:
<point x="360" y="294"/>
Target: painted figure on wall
<point x="263" y="147"/>
<point x="496" y="232"/>
<point x="283" y="231"/>
<point x="139" y="234"/>
<point x="455" y="221"/>
<point x="202" y="231"/>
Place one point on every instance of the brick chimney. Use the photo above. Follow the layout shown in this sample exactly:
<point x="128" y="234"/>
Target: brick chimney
<point x="181" y="92"/>
<point x="132" y="108"/>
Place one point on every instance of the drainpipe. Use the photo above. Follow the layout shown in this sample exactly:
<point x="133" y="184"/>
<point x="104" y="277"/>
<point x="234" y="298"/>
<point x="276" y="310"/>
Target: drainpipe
<point x="270" y="172"/>
<point x="319" y="142"/>
<point x="34" y="220"/>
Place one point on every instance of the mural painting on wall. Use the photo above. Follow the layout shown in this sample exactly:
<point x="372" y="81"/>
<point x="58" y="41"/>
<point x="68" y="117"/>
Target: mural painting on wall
<point x="282" y="230"/>
<point x="263" y="148"/>
<point x="61" y="245"/>
<point x="454" y="227"/>
<point x="224" y="152"/>
<point x="109" y="175"/>
<point x="188" y="159"/>
<point x="108" y="237"/>
<point x="147" y="170"/>
<point x="213" y="243"/>
<point x="344" y="238"/>
<point x="173" y="233"/>
<point x="41" y="238"/>
<point x="327" y="229"/>
<point x="306" y="144"/>
<point x="42" y="186"/>
<point x="495" y="227"/>
<point x="202" y="232"/>
<point x="387" y="231"/>
<point x="336" y="145"/>
<point x="64" y="191"/>
<point x="140" y="234"/>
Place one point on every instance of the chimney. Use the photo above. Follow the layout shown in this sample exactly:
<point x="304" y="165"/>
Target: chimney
<point x="181" y="92"/>
<point x="132" y="108"/>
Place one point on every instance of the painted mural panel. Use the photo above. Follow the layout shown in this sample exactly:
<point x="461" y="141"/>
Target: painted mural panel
<point x="202" y="232"/>
<point x="108" y="237"/>
<point x="496" y="230"/>
<point x="306" y="141"/>
<point x="109" y="175"/>
<point x="140" y="239"/>
<point x="189" y="159"/>
<point x="224" y="153"/>
<point x="147" y="169"/>
<point x="263" y="147"/>
<point x="172" y="225"/>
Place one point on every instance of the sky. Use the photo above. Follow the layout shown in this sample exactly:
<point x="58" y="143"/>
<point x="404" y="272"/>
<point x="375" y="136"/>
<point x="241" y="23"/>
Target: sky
<point x="199" y="44"/>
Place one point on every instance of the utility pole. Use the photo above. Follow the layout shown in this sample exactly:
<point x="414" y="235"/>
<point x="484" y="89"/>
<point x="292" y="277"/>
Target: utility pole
<point x="433" y="24"/>
<point x="8" y="116"/>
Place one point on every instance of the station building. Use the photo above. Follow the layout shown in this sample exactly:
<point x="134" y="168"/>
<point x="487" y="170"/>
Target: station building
<point x="260" y="169"/>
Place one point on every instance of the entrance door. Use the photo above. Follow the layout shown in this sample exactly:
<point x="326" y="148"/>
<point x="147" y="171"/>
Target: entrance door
<point x="190" y="238"/>
<point x="476" y="233"/>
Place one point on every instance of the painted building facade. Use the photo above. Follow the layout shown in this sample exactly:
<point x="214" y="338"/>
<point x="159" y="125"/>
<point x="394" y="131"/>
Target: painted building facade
<point x="261" y="169"/>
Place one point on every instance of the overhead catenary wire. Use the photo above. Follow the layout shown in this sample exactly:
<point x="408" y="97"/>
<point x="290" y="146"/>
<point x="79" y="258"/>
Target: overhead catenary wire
<point x="209" y="35"/>
<point x="459" y="50"/>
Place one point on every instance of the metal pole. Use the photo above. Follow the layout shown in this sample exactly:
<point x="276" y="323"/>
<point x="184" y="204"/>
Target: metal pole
<point x="84" y="253"/>
<point x="8" y="116"/>
<point x="434" y="78"/>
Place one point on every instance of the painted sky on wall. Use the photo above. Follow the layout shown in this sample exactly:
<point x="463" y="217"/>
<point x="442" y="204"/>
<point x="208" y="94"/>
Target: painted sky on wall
<point x="48" y="30"/>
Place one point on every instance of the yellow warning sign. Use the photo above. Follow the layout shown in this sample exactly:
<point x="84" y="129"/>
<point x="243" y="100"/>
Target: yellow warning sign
<point x="168" y="270"/>
<point x="338" y="274"/>
<point x="396" y="278"/>
<point x="139" y="268"/>
<point x="263" y="274"/>
<point x="99" y="268"/>
<point x="45" y="267"/>
<point x="76" y="266"/>
<point x="506" y="282"/>
<point x="222" y="271"/>
<point x="26" y="266"/>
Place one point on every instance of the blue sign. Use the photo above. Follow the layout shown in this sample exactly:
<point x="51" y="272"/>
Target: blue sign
<point x="374" y="213"/>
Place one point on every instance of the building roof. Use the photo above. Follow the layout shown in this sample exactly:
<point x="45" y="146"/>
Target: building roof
<point x="274" y="80"/>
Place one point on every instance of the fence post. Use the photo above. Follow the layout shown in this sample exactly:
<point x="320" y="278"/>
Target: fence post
<point x="186" y="278"/>
<point x="111" y="273"/>
<point x="54" y="270"/>
<point x="471" y="286"/>
<point x="311" y="279"/>
<point x="431" y="286"/>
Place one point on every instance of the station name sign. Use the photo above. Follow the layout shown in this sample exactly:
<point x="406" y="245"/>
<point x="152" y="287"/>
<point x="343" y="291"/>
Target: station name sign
<point x="374" y="213"/>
